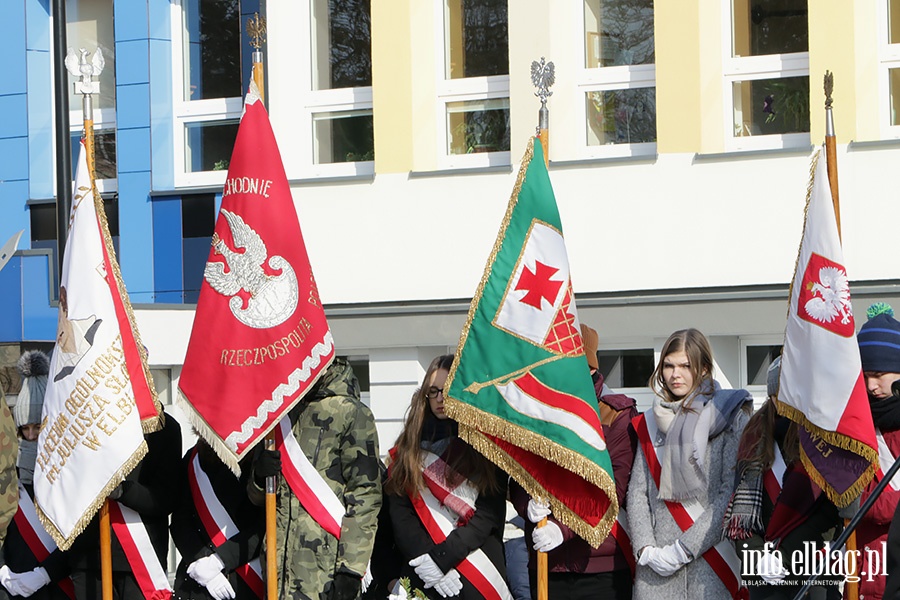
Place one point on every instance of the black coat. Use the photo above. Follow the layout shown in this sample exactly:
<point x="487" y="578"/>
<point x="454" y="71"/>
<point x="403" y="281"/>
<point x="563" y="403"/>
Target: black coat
<point x="17" y="555"/>
<point x="148" y="489"/>
<point x="484" y="530"/>
<point x="190" y="535"/>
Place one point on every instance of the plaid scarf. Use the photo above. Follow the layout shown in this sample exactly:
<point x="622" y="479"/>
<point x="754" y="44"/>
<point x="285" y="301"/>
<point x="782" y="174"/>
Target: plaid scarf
<point x="743" y="517"/>
<point x="451" y="488"/>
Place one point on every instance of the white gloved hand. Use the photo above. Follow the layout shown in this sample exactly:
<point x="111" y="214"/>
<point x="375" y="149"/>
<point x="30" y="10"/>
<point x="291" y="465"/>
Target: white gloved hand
<point x="204" y="569"/>
<point x="537" y="510"/>
<point x="674" y="554"/>
<point x="367" y="578"/>
<point x="427" y="570"/>
<point x="547" y="538"/>
<point x="5" y="575"/>
<point x="450" y="584"/>
<point x="219" y="588"/>
<point x="659" y="560"/>
<point x="770" y="568"/>
<point x="31" y="581"/>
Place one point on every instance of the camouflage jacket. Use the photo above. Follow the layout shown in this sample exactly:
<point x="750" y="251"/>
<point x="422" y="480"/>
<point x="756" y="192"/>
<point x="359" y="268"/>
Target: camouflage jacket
<point x="337" y="433"/>
<point x="9" y="483"/>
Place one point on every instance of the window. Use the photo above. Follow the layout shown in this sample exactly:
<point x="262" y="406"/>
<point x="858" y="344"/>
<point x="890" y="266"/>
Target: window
<point x="337" y="104"/>
<point x="208" y="86"/>
<point x="767" y="75"/>
<point x="758" y="361"/>
<point x="198" y="222"/>
<point x="473" y="85"/>
<point x="617" y="88"/>
<point x="626" y="368"/>
<point x="162" y="382"/>
<point x="89" y="25"/>
<point x="889" y="73"/>
<point x="360" y="366"/>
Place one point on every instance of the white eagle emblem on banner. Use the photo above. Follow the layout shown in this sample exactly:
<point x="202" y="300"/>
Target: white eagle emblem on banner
<point x="272" y="298"/>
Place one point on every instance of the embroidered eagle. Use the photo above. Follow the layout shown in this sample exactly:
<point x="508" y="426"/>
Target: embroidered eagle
<point x="831" y="296"/>
<point x="245" y="269"/>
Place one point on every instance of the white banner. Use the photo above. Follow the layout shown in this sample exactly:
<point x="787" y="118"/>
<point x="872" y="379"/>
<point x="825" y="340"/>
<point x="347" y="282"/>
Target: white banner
<point x="92" y="434"/>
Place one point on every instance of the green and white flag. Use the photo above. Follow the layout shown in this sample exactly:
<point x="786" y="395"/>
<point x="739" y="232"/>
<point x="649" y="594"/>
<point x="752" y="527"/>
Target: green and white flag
<point x="520" y="387"/>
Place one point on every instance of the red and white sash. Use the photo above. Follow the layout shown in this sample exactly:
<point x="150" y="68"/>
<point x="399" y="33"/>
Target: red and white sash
<point x="36" y="537"/>
<point x="477" y="568"/>
<point x="885" y="459"/>
<point x="774" y="475"/>
<point x="308" y="485"/>
<point x="722" y="557"/>
<point x="218" y="524"/>
<point x="619" y="532"/>
<point x="132" y="535"/>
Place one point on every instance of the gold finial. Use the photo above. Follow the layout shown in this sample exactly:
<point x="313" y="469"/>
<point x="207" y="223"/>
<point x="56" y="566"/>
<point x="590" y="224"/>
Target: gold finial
<point x="829" y="87"/>
<point x="256" y="29"/>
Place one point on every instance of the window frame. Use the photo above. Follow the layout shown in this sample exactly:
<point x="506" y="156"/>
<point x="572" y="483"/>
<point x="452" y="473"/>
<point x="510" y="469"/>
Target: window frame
<point x="601" y="79"/>
<point x="888" y="58"/>
<point x="755" y="68"/>
<point x="491" y="87"/>
<point x="193" y="111"/>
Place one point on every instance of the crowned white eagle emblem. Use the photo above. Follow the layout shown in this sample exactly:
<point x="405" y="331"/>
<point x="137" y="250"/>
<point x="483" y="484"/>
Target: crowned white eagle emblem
<point x="272" y="298"/>
<point x="830" y="296"/>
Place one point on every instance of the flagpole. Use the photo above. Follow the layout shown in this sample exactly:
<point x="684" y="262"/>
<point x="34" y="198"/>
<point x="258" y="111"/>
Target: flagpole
<point x="256" y="29"/>
<point x="79" y="66"/>
<point x="852" y="587"/>
<point x="542" y="76"/>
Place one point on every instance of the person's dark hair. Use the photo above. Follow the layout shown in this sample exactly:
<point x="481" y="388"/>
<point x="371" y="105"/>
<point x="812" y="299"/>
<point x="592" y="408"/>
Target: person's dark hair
<point x="695" y="345"/>
<point x="405" y="472"/>
<point x="757" y="445"/>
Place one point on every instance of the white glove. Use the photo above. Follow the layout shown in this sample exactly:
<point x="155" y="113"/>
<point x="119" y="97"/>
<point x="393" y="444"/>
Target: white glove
<point x="427" y="570"/>
<point x="31" y="581"/>
<point x="547" y="538"/>
<point x="450" y="584"/>
<point x="204" y="569"/>
<point x="662" y="560"/>
<point x="5" y="575"/>
<point x="367" y="578"/>
<point x="10" y="581"/>
<point x="537" y="510"/>
<point x="770" y="568"/>
<point x="219" y="588"/>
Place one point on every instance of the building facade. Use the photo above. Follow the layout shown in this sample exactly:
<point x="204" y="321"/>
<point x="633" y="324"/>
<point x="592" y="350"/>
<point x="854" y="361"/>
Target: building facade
<point x="680" y="136"/>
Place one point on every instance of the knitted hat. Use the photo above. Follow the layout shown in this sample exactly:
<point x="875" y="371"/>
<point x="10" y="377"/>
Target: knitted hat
<point x="591" y="341"/>
<point x="879" y="340"/>
<point x="772" y="377"/>
<point x="34" y="366"/>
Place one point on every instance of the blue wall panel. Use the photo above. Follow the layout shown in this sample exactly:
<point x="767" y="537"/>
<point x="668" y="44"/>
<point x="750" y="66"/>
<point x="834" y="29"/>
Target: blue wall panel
<point x="14" y="214"/>
<point x="167" y="259"/>
<point x="132" y="61"/>
<point x="12" y="47"/>
<point x="37" y="24"/>
<point x="136" y="233"/>
<point x="161" y="114"/>
<point x="13" y="106"/>
<point x="131" y="20"/>
<point x="14" y="165"/>
<point x="133" y="152"/>
<point x="39" y="319"/>
<point x="133" y="103"/>
<point x="11" y="301"/>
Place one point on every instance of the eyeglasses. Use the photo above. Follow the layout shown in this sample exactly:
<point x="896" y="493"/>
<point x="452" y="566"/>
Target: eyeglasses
<point x="432" y="392"/>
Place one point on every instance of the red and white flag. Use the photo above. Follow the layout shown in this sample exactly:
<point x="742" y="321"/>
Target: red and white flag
<point x="260" y="339"/>
<point x="821" y="385"/>
<point x="100" y="398"/>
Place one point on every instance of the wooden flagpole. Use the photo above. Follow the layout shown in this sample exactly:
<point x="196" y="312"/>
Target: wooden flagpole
<point x="542" y="76"/>
<point x="86" y="86"/>
<point x="851" y="587"/>
<point x="256" y="29"/>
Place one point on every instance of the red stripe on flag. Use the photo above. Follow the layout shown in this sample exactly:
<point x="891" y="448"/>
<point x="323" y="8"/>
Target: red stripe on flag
<point x="681" y="516"/>
<point x="252" y="579"/>
<point x="133" y="362"/>
<point x="566" y="402"/>
<point x="855" y="421"/>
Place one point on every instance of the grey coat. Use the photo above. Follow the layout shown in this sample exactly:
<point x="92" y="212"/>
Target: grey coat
<point x="651" y="523"/>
